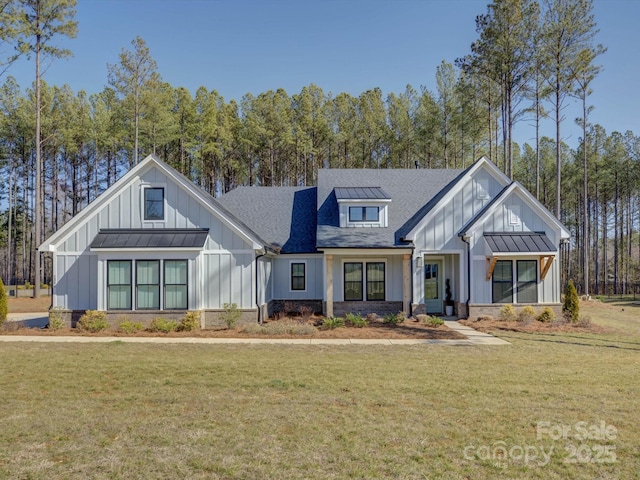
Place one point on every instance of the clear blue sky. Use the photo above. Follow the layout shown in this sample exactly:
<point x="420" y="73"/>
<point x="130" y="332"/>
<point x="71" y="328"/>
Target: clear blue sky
<point x="241" y="46"/>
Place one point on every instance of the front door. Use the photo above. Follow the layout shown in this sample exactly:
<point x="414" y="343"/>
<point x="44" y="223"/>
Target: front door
<point x="433" y="285"/>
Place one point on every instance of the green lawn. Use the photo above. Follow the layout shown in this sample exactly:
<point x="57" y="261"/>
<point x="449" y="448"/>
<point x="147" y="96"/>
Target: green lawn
<point x="255" y="411"/>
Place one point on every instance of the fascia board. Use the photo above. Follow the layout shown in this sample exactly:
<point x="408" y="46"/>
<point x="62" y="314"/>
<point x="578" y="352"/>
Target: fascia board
<point x="50" y="244"/>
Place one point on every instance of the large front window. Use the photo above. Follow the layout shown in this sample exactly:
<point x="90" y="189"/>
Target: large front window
<point x="175" y="284"/>
<point x="503" y="282"/>
<point x="357" y="275"/>
<point x="527" y="288"/>
<point x="525" y="284"/>
<point x="148" y="276"/>
<point x="148" y="284"/>
<point x="119" y="284"/>
<point x="375" y="281"/>
<point x="353" y="281"/>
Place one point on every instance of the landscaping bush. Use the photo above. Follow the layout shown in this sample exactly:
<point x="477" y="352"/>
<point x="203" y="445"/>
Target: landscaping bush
<point x="93" y="321"/>
<point x="394" y="318"/>
<point x="527" y="315"/>
<point x="433" y="321"/>
<point x="570" y="304"/>
<point x="4" y="307"/>
<point x="305" y="312"/>
<point x="333" y="322"/>
<point x="231" y="315"/>
<point x="356" y="320"/>
<point x="372" y="317"/>
<point x="508" y="313"/>
<point x="56" y="321"/>
<point x="163" y="325"/>
<point x="129" y="326"/>
<point x="547" y="315"/>
<point x="279" y="328"/>
<point x="190" y="322"/>
<point x="584" y="321"/>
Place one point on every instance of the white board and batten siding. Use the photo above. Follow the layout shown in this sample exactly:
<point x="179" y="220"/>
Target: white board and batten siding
<point x="222" y="272"/>
<point x="439" y="235"/>
<point x="314" y="280"/>
<point x="513" y="215"/>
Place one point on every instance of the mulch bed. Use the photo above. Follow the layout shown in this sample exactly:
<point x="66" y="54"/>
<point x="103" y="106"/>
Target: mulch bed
<point x="409" y="329"/>
<point x="492" y="325"/>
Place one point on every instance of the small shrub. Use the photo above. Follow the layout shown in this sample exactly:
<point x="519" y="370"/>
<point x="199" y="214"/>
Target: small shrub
<point x="163" y="325"/>
<point x="231" y="315"/>
<point x="570" y="304"/>
<point x="527" y="314"/>
<point x="305" y="312"/>
<point x="289" y="307"/>
<point x="485" y="318"/>
<point x="547" y="315"/>
<point x="332" y="323"/>
<point x="508" y="313"/>
<point x="422" y="318"/>
<point x="129" y="326"/>
<point x="372" y="317"/>
<point x="93" y="321"/>
<point x="584" y="321"/>
<point x="393" y="319"/>
<point x="433" y="321"/>
<point x="4" y="306"/>
<point x="190" y="322"/>
<point x="401" y="316"/>
<point x="279" y="328"/>
<point x="56" y="320"/>
<point x="356" y="320"/>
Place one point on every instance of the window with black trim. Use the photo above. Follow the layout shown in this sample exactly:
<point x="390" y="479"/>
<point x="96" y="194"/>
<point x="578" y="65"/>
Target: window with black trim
<point x="175" y="285"/>
<point x="119" y="284"/>
<point x="148" y="284"/>
<point x="502" y="282"/>
<point x="364" y="214"/>
<point x="298" y="276"/>
<point x="527" y="286"/>
<point x="154" y="203"/>
<point x="353" y="281"/>
<point x="375" y="281"/>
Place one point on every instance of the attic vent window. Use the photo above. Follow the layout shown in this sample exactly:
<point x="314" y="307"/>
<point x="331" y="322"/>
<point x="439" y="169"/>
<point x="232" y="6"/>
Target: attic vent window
<point x="364" y="214"/>
<point x="482" y="188"/>
<point x="514" y="215"/>
<point x="154" y="203"/>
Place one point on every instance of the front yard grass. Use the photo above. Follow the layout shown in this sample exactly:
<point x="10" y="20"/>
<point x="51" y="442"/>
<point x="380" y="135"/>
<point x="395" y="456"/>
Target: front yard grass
<point x="257" y="411"/>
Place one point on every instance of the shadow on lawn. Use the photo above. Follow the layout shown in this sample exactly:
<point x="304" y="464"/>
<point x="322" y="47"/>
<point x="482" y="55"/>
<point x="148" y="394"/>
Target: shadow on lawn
<point x="561" y="340"/>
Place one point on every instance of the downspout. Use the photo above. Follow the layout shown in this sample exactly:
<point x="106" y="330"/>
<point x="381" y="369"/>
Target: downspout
<point x="466" y="240"/>
<point x="260" y="320"/>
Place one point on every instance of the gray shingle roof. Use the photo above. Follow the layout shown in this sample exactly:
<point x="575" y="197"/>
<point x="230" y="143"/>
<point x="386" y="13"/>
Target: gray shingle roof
<point x="413" y="193"/>
<point x="529" y="242"/>
<point x="361" y="193"/>
<point x="150" y="238"/>
<point x="285" y="217"/>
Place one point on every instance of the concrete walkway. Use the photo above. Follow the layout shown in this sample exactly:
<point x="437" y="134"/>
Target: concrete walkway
<point x="37" y="320"/>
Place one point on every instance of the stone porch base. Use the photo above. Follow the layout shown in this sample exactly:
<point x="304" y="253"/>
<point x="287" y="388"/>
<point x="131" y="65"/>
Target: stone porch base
<point x="364" y="308"/>
<point x="493" y="309"/>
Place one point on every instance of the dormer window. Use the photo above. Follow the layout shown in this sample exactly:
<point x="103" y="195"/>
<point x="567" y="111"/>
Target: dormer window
<point x="362" y="206"/>
<point x="364" y="214"/>
<point x="154" y="203"/>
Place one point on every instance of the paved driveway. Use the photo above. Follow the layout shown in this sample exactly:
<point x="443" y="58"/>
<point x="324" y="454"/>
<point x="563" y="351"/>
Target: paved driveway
<point x="30" y="320"/>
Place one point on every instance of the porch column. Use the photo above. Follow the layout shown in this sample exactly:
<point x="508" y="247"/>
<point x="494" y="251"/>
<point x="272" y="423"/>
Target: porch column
<point x="406" y="282"/>
<point x="329" y="286"/>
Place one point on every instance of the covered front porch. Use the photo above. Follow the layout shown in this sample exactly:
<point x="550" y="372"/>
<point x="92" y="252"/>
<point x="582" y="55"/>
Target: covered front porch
<point x="367" y="281"/>
<point x="439" y="282"/>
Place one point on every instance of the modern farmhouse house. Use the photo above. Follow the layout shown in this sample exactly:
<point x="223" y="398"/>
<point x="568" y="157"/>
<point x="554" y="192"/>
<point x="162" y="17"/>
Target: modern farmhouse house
<point x="360" y="241"/>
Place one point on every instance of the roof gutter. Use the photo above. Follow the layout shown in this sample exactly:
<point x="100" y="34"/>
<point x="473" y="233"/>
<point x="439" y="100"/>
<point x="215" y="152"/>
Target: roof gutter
<point x="465" y="239"/>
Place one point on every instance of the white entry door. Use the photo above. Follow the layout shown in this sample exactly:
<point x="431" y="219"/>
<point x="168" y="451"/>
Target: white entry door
<point x="433" y="285"/>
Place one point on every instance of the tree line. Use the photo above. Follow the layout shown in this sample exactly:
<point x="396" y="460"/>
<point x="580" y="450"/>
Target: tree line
<point x="529" y="62"/>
